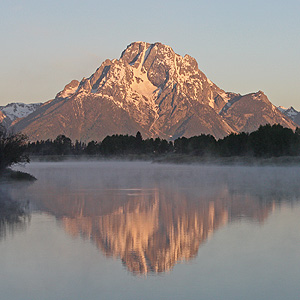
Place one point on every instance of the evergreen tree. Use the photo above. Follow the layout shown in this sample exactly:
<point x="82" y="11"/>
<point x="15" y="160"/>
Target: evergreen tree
<point x="63" y="145"/>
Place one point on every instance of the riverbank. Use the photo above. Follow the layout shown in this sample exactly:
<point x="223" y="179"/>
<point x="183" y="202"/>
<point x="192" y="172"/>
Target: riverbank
<point x="12" y="175"/>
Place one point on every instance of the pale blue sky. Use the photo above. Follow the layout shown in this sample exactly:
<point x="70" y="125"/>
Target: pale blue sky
<point x="242" y="46"/>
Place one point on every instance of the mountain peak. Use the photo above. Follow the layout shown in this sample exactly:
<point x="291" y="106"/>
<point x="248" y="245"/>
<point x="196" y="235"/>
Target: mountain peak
<point x="291" y="113"/>
<point x="69" y="89"/>
<point x="259" y="96"/>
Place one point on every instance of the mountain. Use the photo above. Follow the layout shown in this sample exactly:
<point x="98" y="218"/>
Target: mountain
<point x="247" y="113"/>
<point x="4" y="120"/>
<point x="153" y="90"/>
<point x="13" y="111"/>
<point x="292" y="113"/>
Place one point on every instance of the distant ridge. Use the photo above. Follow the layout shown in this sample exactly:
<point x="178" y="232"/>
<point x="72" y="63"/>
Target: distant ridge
<point x="292" y="113"/>
<point x="13" y="111"/>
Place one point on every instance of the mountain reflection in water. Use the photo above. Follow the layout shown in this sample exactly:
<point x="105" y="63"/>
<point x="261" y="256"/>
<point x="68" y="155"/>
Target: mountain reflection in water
<point x="150" y="232"/>
<point x="154" y="227"/>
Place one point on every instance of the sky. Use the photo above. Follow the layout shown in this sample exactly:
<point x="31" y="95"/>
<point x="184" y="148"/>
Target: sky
<point x="242" y="46"/>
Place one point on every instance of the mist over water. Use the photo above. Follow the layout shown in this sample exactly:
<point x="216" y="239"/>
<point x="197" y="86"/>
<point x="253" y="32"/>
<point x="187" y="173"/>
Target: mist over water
<point x="118" y="174"/>
<point x="121" y="220"/>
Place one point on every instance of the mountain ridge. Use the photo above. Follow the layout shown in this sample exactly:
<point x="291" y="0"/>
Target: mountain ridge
<point x="292" y="113"/>
<point x="153" y="90"/>
<point x="16" y="110"/>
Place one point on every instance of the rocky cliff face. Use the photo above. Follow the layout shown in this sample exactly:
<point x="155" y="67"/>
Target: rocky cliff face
<point x="3" y="119"/>
<point x="247" y="113"/>
<point x="153" y="90"/>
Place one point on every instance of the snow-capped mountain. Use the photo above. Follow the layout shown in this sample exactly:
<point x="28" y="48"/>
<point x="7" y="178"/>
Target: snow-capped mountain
<point x="13" y="111"/>
<point x="153" y="90"/>
<point x="292" y="113"/>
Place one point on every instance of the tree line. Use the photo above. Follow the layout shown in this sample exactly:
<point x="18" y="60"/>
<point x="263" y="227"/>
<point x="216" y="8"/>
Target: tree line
<point x="267" y="141"/>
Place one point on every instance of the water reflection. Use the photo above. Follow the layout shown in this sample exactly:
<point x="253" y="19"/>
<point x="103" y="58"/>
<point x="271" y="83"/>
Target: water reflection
<point x="156" y="217"/>
<point x="14" y="215"/>
<point x="152" y="230"/>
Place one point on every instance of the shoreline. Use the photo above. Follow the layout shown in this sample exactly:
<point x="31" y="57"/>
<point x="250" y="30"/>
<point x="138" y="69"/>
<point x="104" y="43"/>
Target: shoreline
<point x="9" y="175"/>
<point x="178" y="159"/>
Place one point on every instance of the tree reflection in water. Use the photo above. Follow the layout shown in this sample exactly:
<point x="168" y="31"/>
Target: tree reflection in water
<point x="14" y="215"/>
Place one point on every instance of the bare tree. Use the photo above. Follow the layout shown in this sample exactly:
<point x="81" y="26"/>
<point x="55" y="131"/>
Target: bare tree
<point x="12" y="148"/>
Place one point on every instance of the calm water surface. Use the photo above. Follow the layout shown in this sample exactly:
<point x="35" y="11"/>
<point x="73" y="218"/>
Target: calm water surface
<point x="136" y="230"/>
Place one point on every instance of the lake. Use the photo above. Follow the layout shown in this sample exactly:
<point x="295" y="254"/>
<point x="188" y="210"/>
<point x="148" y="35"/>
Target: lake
<point x="136" y="230"/>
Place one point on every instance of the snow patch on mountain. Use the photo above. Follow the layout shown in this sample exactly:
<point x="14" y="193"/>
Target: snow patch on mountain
<point x="282" y="109"/>
<point x="70" y="89"/>
<point x="14" y="111"/>
<point x="142" y="85"/>
<point x="291" y="112"/>
<point x="225" y="96"/>
<point x="68" y="92"/>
